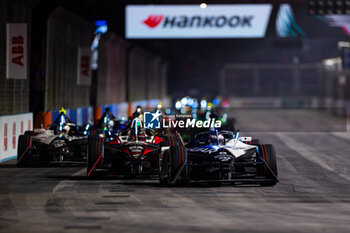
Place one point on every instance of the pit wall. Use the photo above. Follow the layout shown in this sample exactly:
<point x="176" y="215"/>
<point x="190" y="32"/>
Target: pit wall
<point x="11" y="126"/>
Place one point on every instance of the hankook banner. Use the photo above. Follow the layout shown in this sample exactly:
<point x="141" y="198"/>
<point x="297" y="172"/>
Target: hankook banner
<point x="192" y="21"/>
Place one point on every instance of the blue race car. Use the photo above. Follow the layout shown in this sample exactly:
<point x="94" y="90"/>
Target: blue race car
<point x="219" y="157"/>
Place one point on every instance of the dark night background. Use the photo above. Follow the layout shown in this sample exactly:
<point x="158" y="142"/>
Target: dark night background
<point x="199" y="61"/>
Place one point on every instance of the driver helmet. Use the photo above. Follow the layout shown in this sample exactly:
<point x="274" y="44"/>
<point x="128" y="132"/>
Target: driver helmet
<point x="64" y="129"/>
<point x="212" y="139"/>
<point x="221" y="140"/>
<point x="138" y="113"/>
<point x="159" y="107"/>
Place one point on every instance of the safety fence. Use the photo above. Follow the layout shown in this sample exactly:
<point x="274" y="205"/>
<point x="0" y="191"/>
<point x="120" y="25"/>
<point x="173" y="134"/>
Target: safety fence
<point x="147" y="76"/>
<point x="275" y="102"/>
<point x="336" y="107"/>
<point x="125" y="73"/>
<point x="129" y="73"/>
<point x="111" y="83"/>
<point x="66" y="32"/>
<point x="14" y="93"/>
<point x="272" y="80"/>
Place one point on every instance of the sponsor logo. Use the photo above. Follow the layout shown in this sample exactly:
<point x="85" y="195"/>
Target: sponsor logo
<point x="14" y="138"/>
<point x="136" y="149"/>
<point x="5" y="137"/>
<point x="152" y="120"/>
<point x="198" y="21"/>
<point x="153" y="20"/>
<point x="205" y="150"/>
<point x="16" y="55"/>
<point x="191" y="123"/>
<point x="190" y="21"/>
<point x="85" y="65"/>
<point x="17" y="50"/>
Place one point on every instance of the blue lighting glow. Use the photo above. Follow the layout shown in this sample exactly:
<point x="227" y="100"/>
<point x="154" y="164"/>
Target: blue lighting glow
<point x="216" y="101"/>
<point x="100" y="22"/>
<point x="195" y="103"/>
<point x="203" y="104"/>
<point x="178" y="105"/>
<point x="168" y="111"/>
<point x="62" y="120"/>
<point x="101" y="29"/>
<point x="101" y="26"/>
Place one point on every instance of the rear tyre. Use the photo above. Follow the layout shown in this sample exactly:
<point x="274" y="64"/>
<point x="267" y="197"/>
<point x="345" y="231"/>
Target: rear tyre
<point x="173" y="160"/>
<point x="94" y="154"/>
<point x="268" y="154"/>
<point x="96" y="132"/>
<point x="174" y="140"/>
<point x="24" y="149"/>
<point x="163" y="171"/>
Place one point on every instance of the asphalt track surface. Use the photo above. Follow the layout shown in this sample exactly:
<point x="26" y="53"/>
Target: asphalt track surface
<point x="313" y="196"/>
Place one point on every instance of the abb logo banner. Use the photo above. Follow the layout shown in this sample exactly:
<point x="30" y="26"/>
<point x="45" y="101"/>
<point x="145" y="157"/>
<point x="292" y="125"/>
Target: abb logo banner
<point x="84" y="64"/>
<point x="10" y="128"/>
<point x="16" y="61"/>
<point x="5" y="137"/>
<point x="191" y="21"/>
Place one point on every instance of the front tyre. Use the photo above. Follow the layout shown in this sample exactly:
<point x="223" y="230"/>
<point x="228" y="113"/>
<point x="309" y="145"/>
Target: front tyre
<point x="163" y="171"/>
<point x="94" y="154"/>
<point x="267" y="153"/>
<point x="172" y="161"/>
<point x="24" y="149"/>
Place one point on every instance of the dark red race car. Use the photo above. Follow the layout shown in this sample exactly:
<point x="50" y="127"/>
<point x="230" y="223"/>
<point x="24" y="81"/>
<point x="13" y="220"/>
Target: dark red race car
<point x="131" y="152"/>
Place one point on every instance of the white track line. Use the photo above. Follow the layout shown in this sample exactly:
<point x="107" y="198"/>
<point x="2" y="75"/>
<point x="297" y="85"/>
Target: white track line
<point x="307" y="153"/>
<point x="64" y="183"/>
